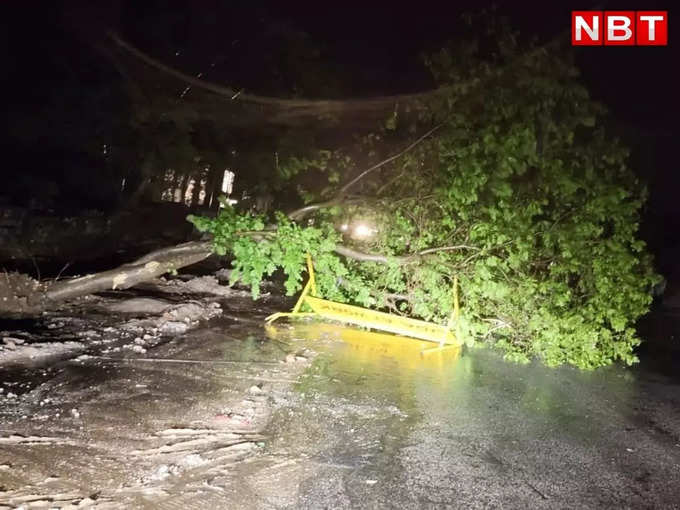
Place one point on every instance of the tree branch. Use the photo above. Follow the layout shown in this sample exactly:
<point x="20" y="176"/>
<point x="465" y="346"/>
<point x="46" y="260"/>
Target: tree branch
<point x="161" y="261"/>
<point x="309" y="106"/>
<point x="447" y="248"/>
<point x="363" y="257"/>
<point x="145" y="268"/>
<point x="403" y="259"/>
<point x="300" y="213"/>
<point x="390" y="159"/>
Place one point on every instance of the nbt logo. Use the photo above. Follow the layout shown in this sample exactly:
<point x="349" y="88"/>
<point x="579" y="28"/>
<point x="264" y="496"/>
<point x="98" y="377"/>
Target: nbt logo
<point x="619" y="28"/>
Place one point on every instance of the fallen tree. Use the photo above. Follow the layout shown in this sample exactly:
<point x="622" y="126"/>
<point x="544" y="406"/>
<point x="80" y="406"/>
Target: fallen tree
<point x="516" y="190"/>
<point x="21" y="295"/>
<point x="150" y="266"/>
<point x="513" y="187"/>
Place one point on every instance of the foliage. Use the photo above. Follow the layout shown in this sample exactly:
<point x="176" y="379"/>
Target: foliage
<point x="521" y="192"/>
<point x="258" y="253"/>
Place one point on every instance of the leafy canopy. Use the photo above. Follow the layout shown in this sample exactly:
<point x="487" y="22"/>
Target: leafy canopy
<point x="520" y="193"/>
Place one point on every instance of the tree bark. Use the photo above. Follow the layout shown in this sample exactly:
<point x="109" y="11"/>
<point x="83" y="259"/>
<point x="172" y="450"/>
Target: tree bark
<point x="150" y="266"/>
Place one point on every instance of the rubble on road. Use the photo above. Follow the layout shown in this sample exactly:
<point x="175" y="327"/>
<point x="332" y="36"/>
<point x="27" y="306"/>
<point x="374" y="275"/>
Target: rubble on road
<point x="111" y="323"/>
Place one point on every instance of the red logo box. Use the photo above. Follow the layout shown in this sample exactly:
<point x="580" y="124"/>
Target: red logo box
<point x="652" y="28"/>
<point x="619" y="28"/>
<point x="586" y="28"/>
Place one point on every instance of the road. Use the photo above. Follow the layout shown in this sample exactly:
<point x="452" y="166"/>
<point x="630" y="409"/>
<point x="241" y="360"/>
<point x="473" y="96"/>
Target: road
<point x="319" y="416"/>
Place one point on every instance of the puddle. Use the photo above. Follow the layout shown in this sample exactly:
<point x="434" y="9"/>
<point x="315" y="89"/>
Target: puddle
<point x="384" y="425"/>
<point x="355" y="363"/>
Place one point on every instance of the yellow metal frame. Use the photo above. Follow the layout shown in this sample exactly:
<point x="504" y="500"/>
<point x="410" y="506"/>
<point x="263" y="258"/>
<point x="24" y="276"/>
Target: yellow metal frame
<point x="443" y="335"/>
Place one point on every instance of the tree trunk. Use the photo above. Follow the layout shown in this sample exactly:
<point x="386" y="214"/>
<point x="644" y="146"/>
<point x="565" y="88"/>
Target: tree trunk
<point x="150" y="266"/>
<point x="30" y="297"/>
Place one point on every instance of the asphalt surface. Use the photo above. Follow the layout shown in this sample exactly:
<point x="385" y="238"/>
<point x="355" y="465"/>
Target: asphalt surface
<point x="482" y="433"/>
<point x="365" y="423"/>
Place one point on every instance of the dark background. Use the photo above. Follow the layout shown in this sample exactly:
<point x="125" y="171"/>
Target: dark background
<point x="373" y="48"/>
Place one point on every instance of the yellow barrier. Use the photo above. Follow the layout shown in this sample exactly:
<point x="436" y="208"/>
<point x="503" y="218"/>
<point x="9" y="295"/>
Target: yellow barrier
<point x="372" y="347"/>
<point x="443" y="335"/>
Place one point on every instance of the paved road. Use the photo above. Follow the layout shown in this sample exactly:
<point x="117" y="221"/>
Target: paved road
<point x="369" y="423"/>
<point x="482" y="433"/>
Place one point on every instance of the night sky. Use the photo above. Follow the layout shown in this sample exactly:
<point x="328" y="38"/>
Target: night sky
<point x="374" y="47"/>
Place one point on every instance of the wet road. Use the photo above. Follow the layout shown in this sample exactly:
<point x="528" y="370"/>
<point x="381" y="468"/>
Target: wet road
<point x="369" y="423"/>
<point x="477" y="432"/>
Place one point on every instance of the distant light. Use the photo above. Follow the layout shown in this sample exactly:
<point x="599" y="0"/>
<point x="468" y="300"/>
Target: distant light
<point x="362" y="231"/>
<point x="228" y="201"/>
<point x="228" y="182"/>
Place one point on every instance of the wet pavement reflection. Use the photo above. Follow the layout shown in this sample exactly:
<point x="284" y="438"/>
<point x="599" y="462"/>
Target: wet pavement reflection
<point x="477" y="431"/>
